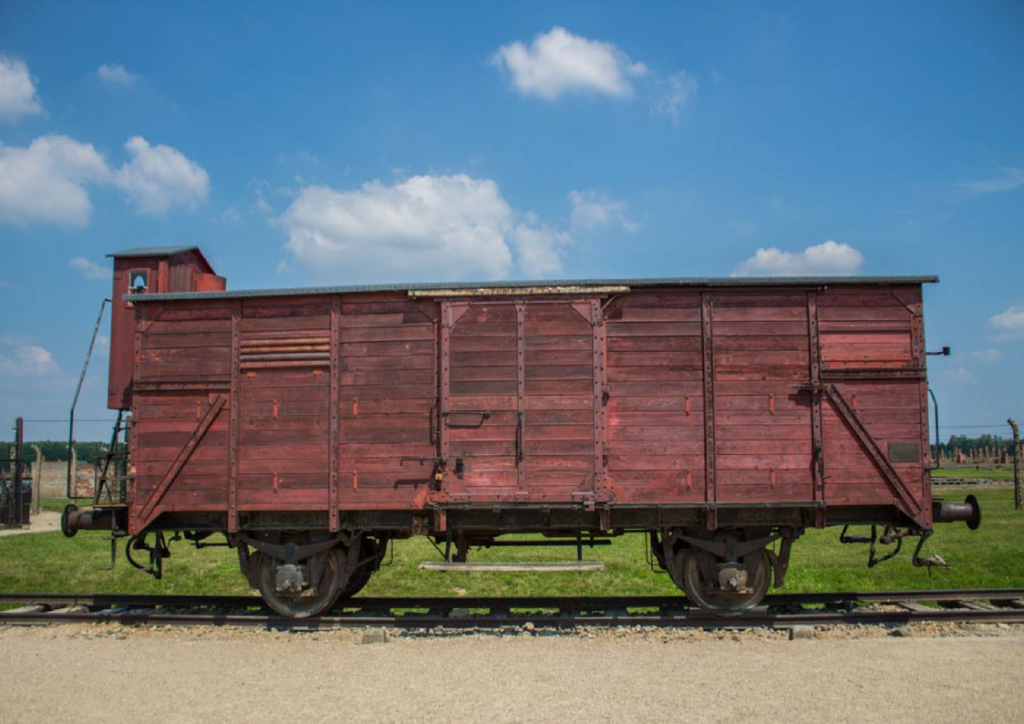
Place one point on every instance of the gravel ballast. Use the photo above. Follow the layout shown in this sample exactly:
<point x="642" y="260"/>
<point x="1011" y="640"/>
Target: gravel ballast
<point x="109" y="673"/>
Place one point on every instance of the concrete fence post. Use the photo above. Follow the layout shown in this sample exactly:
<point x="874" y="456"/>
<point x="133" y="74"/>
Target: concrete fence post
<point x="1018" y="503"/>
<point x="37" y="479"/>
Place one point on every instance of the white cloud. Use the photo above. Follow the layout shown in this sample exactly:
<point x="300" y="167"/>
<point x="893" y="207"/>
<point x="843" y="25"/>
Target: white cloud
<point x="1008" y="324"/>
<point x="17" y="91"/>
<point x="1008" y="179"/>
<point x="960" y="374"/>
<point x="26" y="360"/>
<point x="90" y="269"/>
<point x="558" y="62"/>
<point x="592" y="209"/>
<point x="260" y="204"/>
<point x="421" y="228"/>
<point x="745" y="227"/>
<point x="827" y="259"/>
<point x="118" y="75"/>
<point x="45" y="182"/>
<point x="672" y="93"/>
<point x="538" y="249"/>
<point x="987" y="355"/>
<point x="298" y="158"/>
<point x="159" y="177"/>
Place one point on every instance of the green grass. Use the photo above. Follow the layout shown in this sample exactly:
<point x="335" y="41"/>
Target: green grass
<point x="971" y="473"/>
<point x="992" y="556"/>
<point x="57" y="504"/>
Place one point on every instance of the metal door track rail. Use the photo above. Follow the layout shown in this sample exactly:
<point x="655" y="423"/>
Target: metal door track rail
<point x="543" y="567"/>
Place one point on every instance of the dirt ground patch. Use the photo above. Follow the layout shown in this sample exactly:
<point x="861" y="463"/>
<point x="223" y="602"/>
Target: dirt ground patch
<point x="112" y="673"/>
<point x="42" y="522"/>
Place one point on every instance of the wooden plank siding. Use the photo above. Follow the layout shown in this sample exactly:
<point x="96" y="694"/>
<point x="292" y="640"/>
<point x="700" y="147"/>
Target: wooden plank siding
<point x="875" y="332"/>
<point x="763" y="428"/>
<point x="348" y="402"/>
<point x="655" y="400"/>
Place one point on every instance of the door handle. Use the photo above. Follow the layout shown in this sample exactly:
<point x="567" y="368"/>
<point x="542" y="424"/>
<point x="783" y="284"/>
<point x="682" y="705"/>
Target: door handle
<point x="484" y="414"/>
<point x="519" y="438"/>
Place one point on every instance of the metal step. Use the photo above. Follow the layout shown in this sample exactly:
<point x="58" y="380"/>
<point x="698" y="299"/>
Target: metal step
<point x="546" y="567"/>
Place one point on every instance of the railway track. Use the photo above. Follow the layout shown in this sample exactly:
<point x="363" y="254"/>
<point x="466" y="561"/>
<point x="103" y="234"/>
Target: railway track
<point x="778" y="611"/>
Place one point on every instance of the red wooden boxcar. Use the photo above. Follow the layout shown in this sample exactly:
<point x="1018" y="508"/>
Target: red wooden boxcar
<point x="721" y="417"/>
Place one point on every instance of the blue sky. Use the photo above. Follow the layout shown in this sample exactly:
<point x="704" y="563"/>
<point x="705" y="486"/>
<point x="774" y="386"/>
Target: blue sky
<point x="300" y="144"/>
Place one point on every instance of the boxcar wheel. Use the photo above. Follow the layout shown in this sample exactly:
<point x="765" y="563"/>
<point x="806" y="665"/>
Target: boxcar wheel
<point x="371" y="553"/>
<point x="708" y="595"/>
<point x="357" y="582"/>
<point x="303" y="605"/>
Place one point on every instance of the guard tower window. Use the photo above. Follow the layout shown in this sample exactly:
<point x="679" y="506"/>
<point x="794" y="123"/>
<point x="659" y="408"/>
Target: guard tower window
<point x="138" y="281"/>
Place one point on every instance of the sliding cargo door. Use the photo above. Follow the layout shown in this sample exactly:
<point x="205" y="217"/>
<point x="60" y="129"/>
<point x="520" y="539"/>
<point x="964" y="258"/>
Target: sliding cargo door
<point x="479" y="400"/>
<point x="562" y="399"/>
<point x="520" y="400"/>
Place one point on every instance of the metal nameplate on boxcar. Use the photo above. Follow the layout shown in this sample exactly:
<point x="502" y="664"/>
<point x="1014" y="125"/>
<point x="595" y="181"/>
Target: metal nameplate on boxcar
<point x="904" y="452"/>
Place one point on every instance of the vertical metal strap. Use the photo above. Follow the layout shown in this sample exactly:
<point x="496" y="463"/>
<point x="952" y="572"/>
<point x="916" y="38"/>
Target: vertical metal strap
<point x="133" y="452"/>
<point x="234" y="416"/>
<point x="335" y="411"/>
<point x="917" y="353"/>
<point x="521" y="393"/>
<point x="817" y="430"/>
<point x="445" y="402"/>
<point x="597" y="325"/>
<point x="710" y="478"/>
<point x="920" y="362"/>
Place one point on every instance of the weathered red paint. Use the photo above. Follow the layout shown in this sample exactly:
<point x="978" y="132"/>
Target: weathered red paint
<point x="186" y="271"/>
<point x="671" y="396"/>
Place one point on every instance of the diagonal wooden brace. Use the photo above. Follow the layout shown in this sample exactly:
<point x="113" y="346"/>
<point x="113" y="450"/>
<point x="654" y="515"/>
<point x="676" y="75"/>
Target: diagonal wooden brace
<point x="910" y="505"/>
<point x="147" y="513"/>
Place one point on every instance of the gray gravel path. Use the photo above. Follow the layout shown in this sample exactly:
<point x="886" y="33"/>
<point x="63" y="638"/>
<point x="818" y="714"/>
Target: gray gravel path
<point x="108" y="674"/>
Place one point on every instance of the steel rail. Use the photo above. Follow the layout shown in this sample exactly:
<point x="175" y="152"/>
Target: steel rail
<point x="779" y="610"/>
<point x="753" y="619"/>
<point x="518" y="602"/>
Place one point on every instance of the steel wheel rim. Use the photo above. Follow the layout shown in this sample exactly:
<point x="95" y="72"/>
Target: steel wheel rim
<point x="708" y="598"/>
<point x="328" y="589"/>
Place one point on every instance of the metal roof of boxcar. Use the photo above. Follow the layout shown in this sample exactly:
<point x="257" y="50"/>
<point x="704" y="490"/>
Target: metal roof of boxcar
<point x="555" y="286"/>
<point x="152" y="251"/>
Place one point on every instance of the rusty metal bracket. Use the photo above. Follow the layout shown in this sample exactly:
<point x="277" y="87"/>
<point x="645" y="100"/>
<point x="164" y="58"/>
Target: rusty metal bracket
<point x="334" y="411"/>
<point x="912" y="307"/>
<point x="520" y="394"/>
<point x="721" y="549"/>
<point x="290" y="552"/>
<point x="484" y="415"/>
<point x="234" y="414"/>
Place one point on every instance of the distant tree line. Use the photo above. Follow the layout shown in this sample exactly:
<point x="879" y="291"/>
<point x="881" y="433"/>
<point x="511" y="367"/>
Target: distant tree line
<point x="975" y="445"/>
<point x="54" y="450"/>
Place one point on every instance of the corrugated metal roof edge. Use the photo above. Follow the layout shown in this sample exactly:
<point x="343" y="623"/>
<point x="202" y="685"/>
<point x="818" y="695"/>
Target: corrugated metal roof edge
<point x="152" y="251"/>
<point x="168" y="251"/>
<point x="635" y="283"/>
